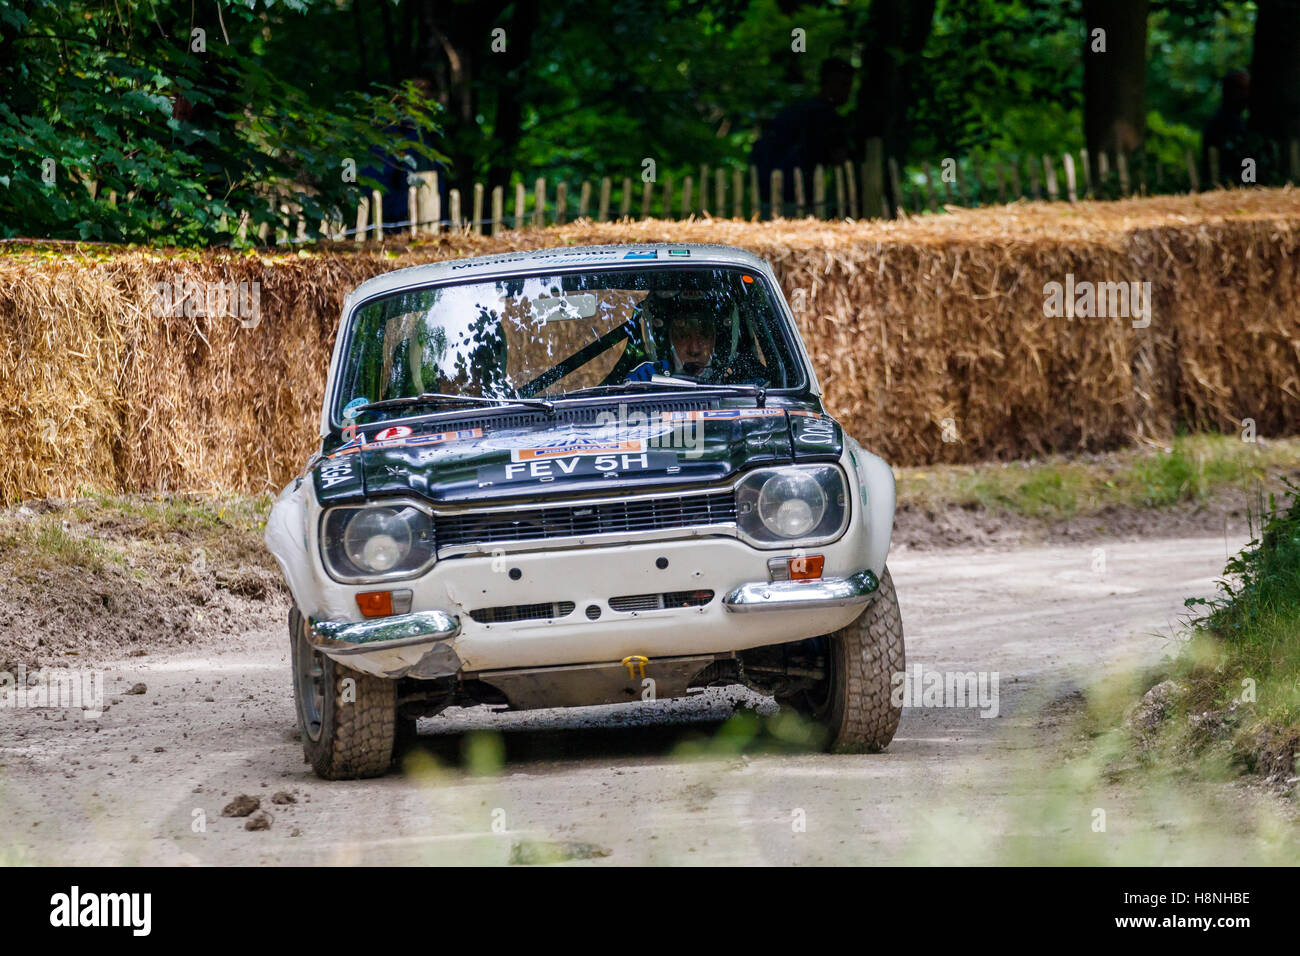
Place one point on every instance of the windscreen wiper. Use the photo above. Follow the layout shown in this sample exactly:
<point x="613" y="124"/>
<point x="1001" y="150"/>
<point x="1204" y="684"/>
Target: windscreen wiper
<point x="435" y="398"/>
<point x="658" y="382"/>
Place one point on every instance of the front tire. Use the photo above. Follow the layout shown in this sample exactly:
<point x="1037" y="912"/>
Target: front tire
<point x="855" y="702"/>
<point x="348" y="719"/>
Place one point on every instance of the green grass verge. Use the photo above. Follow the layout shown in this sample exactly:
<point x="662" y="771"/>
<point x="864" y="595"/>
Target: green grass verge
<point x="1193" y="468"/>
<point x="148" y="536"/>
<point x="1229" y="701"/>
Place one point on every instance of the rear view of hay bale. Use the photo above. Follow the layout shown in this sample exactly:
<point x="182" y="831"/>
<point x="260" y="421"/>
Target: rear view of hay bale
<point x="930" y="336"/>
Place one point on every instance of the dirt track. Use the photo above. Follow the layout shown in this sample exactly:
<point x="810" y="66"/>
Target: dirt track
<point x="655" y="782"/>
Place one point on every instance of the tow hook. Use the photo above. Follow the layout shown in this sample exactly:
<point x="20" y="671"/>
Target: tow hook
<point x="632" y="662"/>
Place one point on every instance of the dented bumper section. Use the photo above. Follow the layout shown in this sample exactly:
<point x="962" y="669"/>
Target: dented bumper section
<point x="418" y="644"/>
<point x="857" y="588"/>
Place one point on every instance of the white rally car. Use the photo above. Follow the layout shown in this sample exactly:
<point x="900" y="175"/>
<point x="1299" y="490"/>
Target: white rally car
<point x="581" y="476"/>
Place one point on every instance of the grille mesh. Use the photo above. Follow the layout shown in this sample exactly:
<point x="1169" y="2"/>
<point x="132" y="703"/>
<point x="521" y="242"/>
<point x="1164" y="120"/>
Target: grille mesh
<point x="522" y="612"/>
<point x="654" y="602"/>
<point x="645" y="514"/>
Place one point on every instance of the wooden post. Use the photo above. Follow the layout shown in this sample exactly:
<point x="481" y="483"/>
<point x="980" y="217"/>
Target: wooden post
<point x="896" y="189"/>
<point x="363" y="220"/>
<point x="720" y="193"/>
<point x="561" y="201"/>
<point x="1002" y="182"/>
<point x="1071" y="187"/>
<point x="737" y="194"/>
<point x="647" y="196"/>
<point x="704" y="190"/>
<point x="1087" y="172"/>
<point x="686" y="197"/>
<point x="777" y="194"/>
<point x="1214" y="166"/>
<point x="797" y="173"/>
<point x="625" y="201"/>
<point x="1049" y="169"/>
<point x="521" y="199"/>
<point x="539" y="202"/>
<point x="841" y="204"/>
<point x="377" y="214"/>
<point x="584" y="199"/>
<point x="602" y="211"/>
<point x="873" y="186"/>
<point x="1103" y="174"/>
<point x="453" y="199"/>
<point x="413" y="210"/>
<point x="851" y="183"/>
<point x="430" y="202"/>
<point x="755" y="197"/>
<point x="498" y="209"/>
<point x="477" y="225"/>
<point x="1016" y="191"/>
<point x="976" y="179"/>
<point x="1193" y="180"/>
<point x="1121" y="163"/>
<point x="668" y="197"/>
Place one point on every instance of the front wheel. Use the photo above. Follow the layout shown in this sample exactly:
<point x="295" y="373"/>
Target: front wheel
<point x="855" y="702"/>
<point x="348" y="719"/>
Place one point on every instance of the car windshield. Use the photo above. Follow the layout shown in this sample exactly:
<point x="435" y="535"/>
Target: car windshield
<point x="548" y="336"/>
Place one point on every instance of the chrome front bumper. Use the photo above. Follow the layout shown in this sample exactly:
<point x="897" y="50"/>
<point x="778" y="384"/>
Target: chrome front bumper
<point x="384" y="633"/>
<point x="857" y="588"/>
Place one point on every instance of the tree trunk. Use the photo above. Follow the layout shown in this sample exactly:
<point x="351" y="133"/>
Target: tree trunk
<point x="894" y="34"/>
<point x="455" y="42"/>
<point x="511" y="89"/>
<point x="1275" y="71"/>
<point x="1114" y="78"/>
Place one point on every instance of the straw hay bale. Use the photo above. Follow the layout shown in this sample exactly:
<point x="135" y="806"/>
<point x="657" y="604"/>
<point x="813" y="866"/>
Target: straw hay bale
<point x="913" y="325"/>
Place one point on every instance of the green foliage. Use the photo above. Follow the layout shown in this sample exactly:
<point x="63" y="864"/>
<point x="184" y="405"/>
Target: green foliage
<point x="1006" y="76"/>
<point x="126" y="128"/>
<point x="1266" y="591"/>
<point x="150" y="139"/>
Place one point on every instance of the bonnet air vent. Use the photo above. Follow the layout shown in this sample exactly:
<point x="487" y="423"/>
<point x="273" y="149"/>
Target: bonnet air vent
<point x="585" y="415"/>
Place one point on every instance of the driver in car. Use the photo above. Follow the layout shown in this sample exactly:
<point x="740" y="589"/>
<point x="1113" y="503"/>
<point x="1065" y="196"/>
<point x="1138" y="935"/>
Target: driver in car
<point x="690" y="337"/>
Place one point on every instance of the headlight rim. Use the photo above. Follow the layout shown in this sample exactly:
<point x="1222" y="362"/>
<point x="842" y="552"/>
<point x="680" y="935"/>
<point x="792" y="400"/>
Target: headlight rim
<point x="402" y="571"/>
<point x="752" y="482"/>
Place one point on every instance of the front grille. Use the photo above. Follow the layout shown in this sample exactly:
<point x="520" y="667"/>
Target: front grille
<point x="637" y="602"/>
<point x="522" y="612"/>
<point x="643" y="514"/>
<point x="655" y="602"/>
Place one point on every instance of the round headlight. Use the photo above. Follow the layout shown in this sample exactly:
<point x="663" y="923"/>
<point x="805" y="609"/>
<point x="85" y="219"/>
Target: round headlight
<point x="376" y="539"/>
<point x="791" y="504"/>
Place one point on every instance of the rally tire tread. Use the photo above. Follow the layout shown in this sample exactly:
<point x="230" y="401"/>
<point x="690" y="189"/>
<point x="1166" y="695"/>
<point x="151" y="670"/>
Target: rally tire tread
<point x="357" y="737"/>
<point x="362" y="742"/>
<point x="870" y="652"/>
